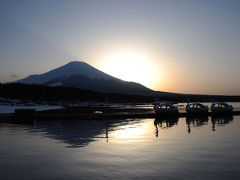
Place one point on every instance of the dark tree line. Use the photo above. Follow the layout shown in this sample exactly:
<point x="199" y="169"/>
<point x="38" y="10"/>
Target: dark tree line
<point x="47" y="93"/>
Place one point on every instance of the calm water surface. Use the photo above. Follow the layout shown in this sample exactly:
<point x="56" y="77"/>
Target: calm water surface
<point x="202" y="148"/>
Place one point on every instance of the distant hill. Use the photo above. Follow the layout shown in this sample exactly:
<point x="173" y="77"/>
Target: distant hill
<point x="81" y="75"/>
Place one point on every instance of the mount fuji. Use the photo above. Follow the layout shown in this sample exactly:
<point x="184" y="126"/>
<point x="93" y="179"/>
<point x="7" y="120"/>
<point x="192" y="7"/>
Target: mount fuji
<point x="81" y="75"/>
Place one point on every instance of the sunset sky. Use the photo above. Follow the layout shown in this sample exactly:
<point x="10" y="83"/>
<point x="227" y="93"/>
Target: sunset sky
<point x="182" y="46"/>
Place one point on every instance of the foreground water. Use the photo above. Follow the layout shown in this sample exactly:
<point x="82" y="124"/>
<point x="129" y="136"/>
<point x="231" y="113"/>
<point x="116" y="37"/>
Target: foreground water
<point x="203" y="148"/>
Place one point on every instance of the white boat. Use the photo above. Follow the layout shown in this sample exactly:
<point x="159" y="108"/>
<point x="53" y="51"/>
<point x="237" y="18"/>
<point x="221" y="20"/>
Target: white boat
<point x="165" y="108"/>
<point x="221" y="107"/>
<point x="196" y="108"/>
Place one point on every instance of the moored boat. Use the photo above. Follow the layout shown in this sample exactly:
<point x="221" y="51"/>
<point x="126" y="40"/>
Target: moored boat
<point x="221" y="107"/>
<point x="196" y="108"/>
<point x="165" y="108"/>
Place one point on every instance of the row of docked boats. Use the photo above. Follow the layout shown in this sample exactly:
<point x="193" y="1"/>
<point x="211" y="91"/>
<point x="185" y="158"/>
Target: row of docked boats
<point x="192" y="108"/>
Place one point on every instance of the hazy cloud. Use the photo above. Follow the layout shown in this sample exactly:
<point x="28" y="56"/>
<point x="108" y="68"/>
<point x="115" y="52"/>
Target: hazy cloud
<point x="13" y="76"/>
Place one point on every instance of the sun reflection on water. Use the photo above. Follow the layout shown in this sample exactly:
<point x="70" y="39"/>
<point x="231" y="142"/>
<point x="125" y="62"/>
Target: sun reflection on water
<point x="132" y="131"/>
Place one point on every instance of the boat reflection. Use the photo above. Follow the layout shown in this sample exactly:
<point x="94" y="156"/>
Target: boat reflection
<point x="164" y="123"/>
<point x="195" y="121"/>
<point x="220" y="120"/>
<point x="198" y="121"/>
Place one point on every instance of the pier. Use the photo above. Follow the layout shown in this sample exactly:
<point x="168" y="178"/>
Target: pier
<point x="87" y="113"/>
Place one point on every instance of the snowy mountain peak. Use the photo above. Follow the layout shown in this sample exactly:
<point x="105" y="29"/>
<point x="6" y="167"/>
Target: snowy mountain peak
<point x="63" y="72"/>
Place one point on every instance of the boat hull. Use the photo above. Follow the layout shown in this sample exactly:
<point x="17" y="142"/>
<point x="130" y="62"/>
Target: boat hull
<point x="200" y="112"/>
<point x="222" y="111"/>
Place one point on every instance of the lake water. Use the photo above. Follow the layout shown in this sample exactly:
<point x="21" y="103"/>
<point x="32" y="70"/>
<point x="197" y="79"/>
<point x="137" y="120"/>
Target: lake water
<point x="202" y="148"/>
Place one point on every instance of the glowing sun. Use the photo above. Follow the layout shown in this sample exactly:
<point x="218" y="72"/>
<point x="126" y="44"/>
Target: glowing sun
<point x="130" y="66"/>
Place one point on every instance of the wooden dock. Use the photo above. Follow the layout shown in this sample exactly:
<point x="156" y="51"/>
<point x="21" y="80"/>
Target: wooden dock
<point x="82" y="116"/>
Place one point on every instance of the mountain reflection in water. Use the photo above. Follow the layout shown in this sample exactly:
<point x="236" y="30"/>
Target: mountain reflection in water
<point x="78" y="133"/>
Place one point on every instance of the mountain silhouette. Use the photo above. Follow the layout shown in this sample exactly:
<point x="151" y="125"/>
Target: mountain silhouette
<point x="82" y="75"/>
